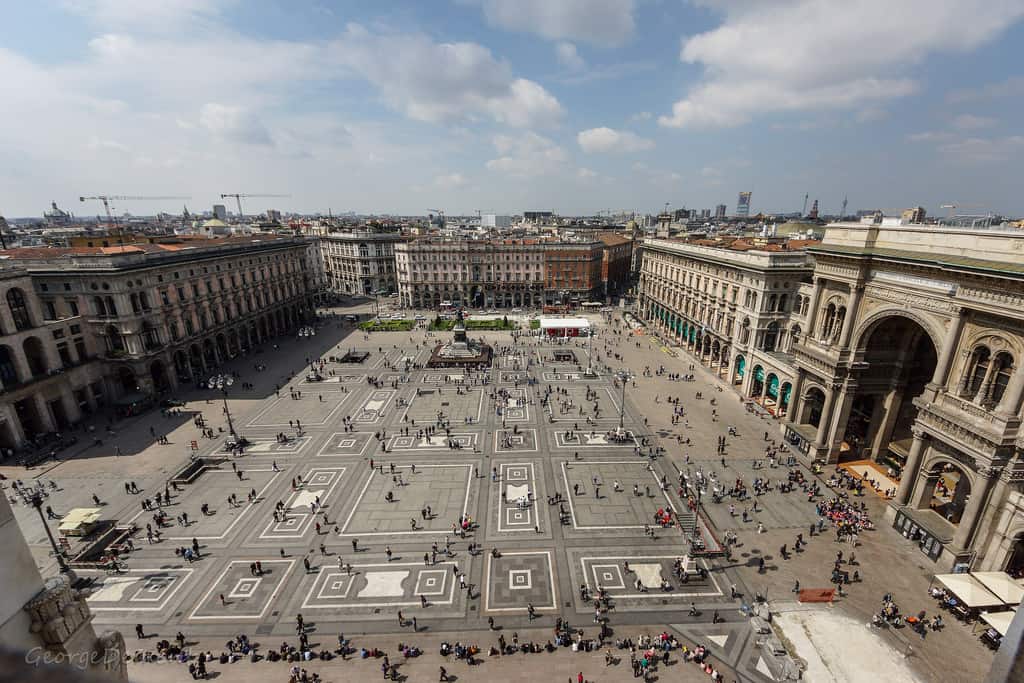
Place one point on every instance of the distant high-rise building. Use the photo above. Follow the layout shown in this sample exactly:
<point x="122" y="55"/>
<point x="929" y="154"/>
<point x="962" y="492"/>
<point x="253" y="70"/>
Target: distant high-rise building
<point x="491" y="220"/>
<point x="743" y="205"/>
<point x="220" y="212"/>
<point x="538" y="216"/>
<point x="813" y="215"/>
<point x="915" y="215"/>
<point x="705" y="213"/>
<point x="720" y="211"/>
<point x="273" y="215"/>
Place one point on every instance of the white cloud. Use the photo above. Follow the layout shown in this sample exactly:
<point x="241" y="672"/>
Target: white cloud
<point x="976" y="150"/>
<point x="586" y="173"/>
<point x="450" y="181"/>
<point x="96" y="143"/>
<point x="444" y="82"/>
<point x="605" y="23"/>
<point x="606" y="139"/>
<point x="526" y="154"/>
<point x="1011" y="87"/>
<point x="234" y="123"/>
<point x="793" y="55"/>
<point x="568" y="56"/>
<point x="973" y="122"/>
<point x="929" y="136"/>
<point x="163" y="16"/>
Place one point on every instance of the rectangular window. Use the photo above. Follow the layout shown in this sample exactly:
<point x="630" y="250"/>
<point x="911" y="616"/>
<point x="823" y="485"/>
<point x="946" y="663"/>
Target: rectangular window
<point x="80" y="349"/>
<point x="65" y="354"/>
<point x="72" y="306"/>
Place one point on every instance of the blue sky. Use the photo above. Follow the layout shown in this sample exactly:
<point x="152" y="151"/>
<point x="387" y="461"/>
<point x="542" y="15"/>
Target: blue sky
<point x="509" y="105"/>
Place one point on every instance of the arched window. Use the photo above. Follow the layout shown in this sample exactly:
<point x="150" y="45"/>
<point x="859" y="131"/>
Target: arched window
<point x="101" y="308"/>
<point x="783" y="302"/>
<point x="115" y="342"/>
<point x="794" y="336"/>
<point x="771" y="337"/>
<point x="976" y="371"/>
<point x="838" y="326"/>
<point x="19" y="309"/>
<point x="34" y="356"/>
<point x="745" y="331"/>
<point x="8" y="370"/>
<point x="828" y="321"/>
<point x="1000" y="378"/>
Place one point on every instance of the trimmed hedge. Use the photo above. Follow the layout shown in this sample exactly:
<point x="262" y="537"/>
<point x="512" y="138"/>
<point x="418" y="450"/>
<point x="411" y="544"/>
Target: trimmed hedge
<point x="387" y="325"/>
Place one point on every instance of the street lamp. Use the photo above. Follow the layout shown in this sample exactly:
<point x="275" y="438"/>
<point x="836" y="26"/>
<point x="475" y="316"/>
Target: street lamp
<point x="222" y="382"/>
<point x="623" y="376"/>
<point x="37" y="503"/>
<point x="590" y="354"/>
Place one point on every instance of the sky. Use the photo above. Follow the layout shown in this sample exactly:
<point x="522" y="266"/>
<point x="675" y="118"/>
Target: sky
<point x="502" y="106"/>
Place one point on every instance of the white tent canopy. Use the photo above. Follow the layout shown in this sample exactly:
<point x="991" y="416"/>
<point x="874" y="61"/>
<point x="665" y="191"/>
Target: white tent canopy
<point x="78" y="520"/>
<point x="564" y="323"/>
<point x="1002" y="585"/>
<point x="1000" y="621"/>
<point x="968" y="590"/>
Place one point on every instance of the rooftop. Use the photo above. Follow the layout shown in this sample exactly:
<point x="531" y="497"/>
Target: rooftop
<point x="135" y="255"/>
<point x="995" y="249"/>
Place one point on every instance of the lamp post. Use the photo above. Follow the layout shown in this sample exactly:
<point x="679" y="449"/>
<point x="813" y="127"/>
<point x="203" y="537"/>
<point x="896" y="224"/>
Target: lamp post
<point x="623" y="376"/>
<point x="37" y="503"/>
<point x="590" y="353"/>
<point x="222" y="382"/>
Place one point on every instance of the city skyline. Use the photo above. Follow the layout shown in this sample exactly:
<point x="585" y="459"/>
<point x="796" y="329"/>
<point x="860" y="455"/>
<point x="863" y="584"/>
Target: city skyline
<point x="573" y="106"/>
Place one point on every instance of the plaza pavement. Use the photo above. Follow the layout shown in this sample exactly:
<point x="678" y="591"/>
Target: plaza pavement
<point x="543" y="561"/>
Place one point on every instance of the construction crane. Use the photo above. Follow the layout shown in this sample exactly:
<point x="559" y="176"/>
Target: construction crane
<point x="440" y="215"/>
<point x="107" y="198"/>
<point x="238" y="198"/>
<point x="953" y="206"/>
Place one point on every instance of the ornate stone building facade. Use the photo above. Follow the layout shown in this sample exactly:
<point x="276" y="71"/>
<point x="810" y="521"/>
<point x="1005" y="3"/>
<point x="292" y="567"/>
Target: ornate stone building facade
<point x="50" y="373"/>
<point x="360" y="262"/>
<point x="89" y="327"/>
<point x="49" y="620"/>
<point x="903" y="348"/>
<point x="739" y="307"/>
<point x="913" y="358"/>
<point x="478" y="273"/>
<point x="511" y="273"/>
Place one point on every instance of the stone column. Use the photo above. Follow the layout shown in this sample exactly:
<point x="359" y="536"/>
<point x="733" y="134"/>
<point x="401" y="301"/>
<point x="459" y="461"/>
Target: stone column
<point x="826" y="418"/>
<point x="883" y="433"/>
<point x="851" y="315"/>
<point x="986" y="384"/>
<point x="979" y="496"/>
<point x="909" y="474"/>
<point x="792" y="410"/>
<point x="43" y="410"/>
<point x="1010" y="405"/>
<point x="812" y="311"/>
<point x="841" y="410"/>
<point x="949" y="345"/>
